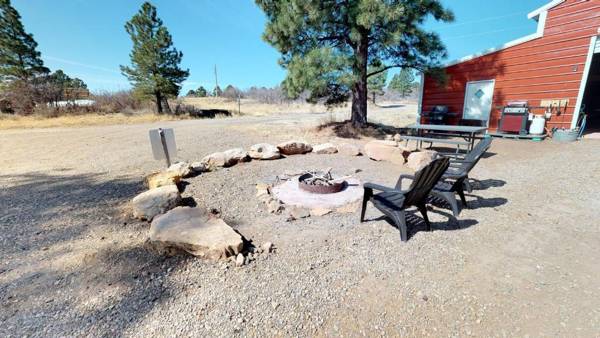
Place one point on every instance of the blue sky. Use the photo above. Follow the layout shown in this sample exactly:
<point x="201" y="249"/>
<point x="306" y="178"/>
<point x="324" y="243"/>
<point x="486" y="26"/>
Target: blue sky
<point x="86" y="38"/>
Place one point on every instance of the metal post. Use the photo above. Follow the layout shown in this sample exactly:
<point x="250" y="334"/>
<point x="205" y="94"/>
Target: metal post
<point x="164" y="145"/>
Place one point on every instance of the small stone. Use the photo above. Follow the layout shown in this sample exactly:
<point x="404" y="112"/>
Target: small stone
<point x="274" y="206"/>
<point x="262" y="189"/>
<point x="298" y="213"/>
<point x="267" y="247"/>
<point x="239" y="260"/>
<point x="397" y="137"/>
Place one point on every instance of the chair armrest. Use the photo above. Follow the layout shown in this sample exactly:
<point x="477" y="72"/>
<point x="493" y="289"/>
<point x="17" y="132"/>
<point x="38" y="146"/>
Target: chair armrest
<point x="452" y="155"/>
<point x="454" y="175"/>
<point x="405" y="176"/>
<point x="373" y="186"/>
<point x="460" y="161"/>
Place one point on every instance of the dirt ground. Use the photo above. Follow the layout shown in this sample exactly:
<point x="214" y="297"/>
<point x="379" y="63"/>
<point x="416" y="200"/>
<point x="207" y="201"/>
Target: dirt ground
<point x="522" y="260"/>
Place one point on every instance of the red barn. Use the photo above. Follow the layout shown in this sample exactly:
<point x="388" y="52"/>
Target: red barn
<point x="558" y="64"/>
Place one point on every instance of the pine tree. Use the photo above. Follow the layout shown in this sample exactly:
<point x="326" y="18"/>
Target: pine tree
<point x="201" y="92"/>
<point x="155" y="70"/>
<point x="376" y="83"/>
<point x="19" y="58"/>
<point x="403" y="82"/>
<point x="327" y="45"/>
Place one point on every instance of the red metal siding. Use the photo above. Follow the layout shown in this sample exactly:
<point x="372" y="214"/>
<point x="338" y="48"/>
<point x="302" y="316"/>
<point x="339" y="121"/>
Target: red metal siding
<point x="550" y="67"/>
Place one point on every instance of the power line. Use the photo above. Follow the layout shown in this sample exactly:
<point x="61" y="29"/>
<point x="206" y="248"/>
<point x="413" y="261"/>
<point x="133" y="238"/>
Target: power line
<point x="484" y="33"/>
<point x="480" y="20"/>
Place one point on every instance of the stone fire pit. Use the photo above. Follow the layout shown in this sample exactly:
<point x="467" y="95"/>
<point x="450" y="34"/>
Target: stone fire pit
<point x="340" y="192"/>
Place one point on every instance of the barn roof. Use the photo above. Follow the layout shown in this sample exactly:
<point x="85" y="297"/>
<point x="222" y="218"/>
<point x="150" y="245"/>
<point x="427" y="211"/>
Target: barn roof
<point x="535" y="14"/>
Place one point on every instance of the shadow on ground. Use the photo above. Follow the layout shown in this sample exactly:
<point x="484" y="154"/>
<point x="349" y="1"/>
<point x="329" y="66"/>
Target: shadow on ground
<point x="72" y="259"/>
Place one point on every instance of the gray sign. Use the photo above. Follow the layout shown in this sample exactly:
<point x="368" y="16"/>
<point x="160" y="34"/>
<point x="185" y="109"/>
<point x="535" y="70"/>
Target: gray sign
<point x="163" y="144"/>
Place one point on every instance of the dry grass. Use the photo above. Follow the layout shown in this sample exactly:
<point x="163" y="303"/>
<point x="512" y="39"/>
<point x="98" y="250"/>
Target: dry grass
<point x="27" y="122"/>
<point x="255" y="108"/>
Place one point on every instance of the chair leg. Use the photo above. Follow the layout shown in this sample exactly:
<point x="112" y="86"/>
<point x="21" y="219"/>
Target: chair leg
<point x="467" y="185"/>
<point x="400" y="222"/>
<point x="423" y="210"/>
<point x="461" y="193"/>
<point x="366" y="197"/>
<point x="449" y="198"/>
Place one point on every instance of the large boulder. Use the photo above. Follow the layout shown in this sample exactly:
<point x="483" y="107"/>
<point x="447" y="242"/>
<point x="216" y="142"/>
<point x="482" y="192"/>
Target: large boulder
<point x="419" y="159"/>
<point x="155" y="201"/>
<point x="385" y="151"/>
<point x="348" y="149"/>
<point x="294" y="147"/>
<point x="162" y="178"/>
<point x="196" y="232"/>
<point x="264" y="151"/>
<point x="325" y="148"/>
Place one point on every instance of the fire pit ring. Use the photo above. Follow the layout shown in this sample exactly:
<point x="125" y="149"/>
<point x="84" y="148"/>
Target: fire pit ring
<point x="319" y="189"/>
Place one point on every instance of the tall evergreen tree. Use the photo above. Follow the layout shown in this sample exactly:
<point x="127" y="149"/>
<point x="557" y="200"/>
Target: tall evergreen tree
<point x="19" y="58"/>
<point x="402" y="82"/>
<point x="327" y="45"/>
<point x="154" y="70"/>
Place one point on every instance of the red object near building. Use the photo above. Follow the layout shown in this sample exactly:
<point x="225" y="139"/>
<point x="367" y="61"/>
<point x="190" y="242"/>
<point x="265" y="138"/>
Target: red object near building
<point x="558" y="65"/>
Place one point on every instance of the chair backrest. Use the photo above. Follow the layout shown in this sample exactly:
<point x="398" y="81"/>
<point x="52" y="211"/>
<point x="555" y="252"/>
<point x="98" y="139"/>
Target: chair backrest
<point x="425" y="180"/>
<point x="475" y="155"/>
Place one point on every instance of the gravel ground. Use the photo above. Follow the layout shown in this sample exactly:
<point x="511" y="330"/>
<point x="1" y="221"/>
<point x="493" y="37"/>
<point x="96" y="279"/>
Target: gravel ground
<point x="521" y="261"/>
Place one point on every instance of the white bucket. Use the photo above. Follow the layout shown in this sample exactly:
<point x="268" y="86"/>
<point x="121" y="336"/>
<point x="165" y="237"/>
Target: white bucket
<point x="537" y="125"/>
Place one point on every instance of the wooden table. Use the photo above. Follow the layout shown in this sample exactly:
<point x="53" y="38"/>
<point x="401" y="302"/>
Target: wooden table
<point x="469" y="133"/>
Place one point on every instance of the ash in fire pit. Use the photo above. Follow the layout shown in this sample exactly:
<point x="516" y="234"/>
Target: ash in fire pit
<point x="321" y="182"/>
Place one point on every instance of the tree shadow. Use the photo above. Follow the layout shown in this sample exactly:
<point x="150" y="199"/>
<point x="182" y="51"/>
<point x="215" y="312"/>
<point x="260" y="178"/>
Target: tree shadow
<point x="69" y="252"/>
<point x="345" y="129"/>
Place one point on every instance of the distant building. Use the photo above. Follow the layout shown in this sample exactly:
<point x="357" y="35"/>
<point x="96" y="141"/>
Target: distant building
<point x="557" y="65"/>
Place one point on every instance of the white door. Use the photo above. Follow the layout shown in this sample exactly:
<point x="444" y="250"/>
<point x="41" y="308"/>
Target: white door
<point x="478" y="100"/>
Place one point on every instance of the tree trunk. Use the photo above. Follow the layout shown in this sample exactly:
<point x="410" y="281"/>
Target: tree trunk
<point x="359" y="90"/>
<point x="159" y="108"/>
<point x="373" y="98"/>
<point x="166" y="107"/>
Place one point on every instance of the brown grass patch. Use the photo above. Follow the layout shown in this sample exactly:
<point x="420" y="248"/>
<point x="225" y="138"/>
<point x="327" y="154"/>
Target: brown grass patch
<point x="27" y="122"/>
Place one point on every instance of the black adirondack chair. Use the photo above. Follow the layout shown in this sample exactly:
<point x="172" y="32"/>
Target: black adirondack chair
<point x="456" y="177"/>
<point x="464" y="164"/>
<point x="393" y="202"/>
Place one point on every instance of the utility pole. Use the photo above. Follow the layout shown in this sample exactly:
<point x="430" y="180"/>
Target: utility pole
<point x="216" y="82"/>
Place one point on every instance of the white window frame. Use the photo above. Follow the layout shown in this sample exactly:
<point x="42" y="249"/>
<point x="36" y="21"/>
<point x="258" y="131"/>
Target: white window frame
<point x="493" y="81"/>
